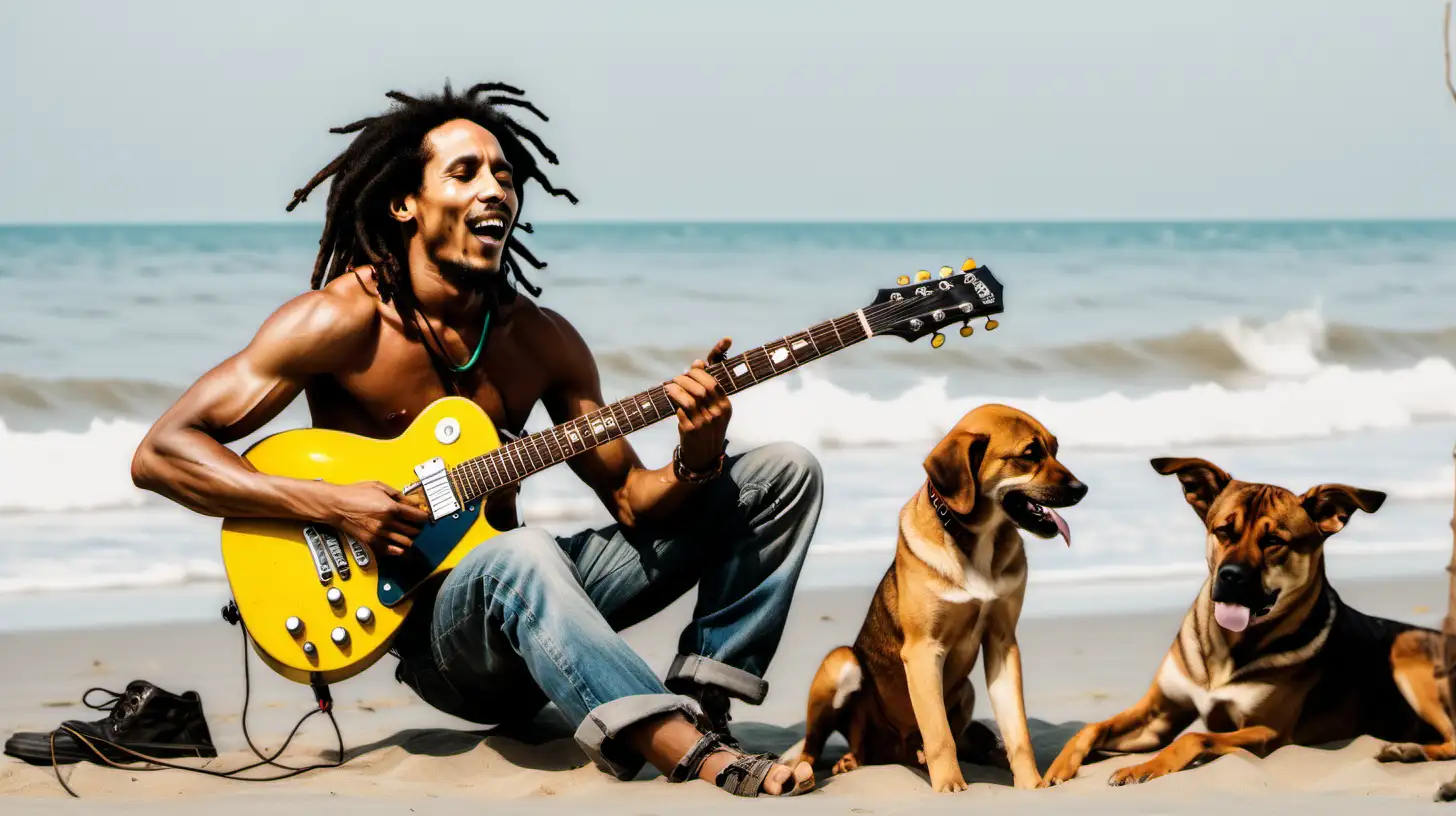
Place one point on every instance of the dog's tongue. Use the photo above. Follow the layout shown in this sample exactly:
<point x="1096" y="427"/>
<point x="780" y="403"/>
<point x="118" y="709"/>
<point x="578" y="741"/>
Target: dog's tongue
<point x="1061" y="524"/>
<point x="1232" y="617"/>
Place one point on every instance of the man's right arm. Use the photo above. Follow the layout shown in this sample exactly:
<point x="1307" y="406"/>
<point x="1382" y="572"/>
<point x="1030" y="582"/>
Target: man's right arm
<point x="183" y="456"/>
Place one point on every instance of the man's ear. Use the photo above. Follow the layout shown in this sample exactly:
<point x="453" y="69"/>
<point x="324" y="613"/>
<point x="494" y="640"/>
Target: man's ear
<point x="1330" y="505"/>
<point x="954" y="468"/>
<point x="402" y="208"/>
<point x="1202" y="481"/>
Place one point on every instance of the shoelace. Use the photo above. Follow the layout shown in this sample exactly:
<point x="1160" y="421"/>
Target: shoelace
<point x="125" y="704"/>
<point x="122" y="705"/>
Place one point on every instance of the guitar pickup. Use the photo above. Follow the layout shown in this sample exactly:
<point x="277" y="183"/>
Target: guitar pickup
<point x="319" y="551"/>
<point x="336" y="551"/>
<point x="361" y="553"/>
<point x="435" y="481"/>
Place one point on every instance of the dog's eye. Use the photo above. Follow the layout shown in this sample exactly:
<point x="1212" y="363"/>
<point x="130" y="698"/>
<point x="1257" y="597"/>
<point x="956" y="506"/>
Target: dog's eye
<point x="1033" y="451"/>
<point x="1272" y="541"/>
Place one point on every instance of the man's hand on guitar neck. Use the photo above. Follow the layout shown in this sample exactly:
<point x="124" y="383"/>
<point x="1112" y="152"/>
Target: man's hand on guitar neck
<point x="703" y="412"/>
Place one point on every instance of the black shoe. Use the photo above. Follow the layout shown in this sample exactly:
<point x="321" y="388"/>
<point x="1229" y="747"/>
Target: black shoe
<point x="145" y="719"/>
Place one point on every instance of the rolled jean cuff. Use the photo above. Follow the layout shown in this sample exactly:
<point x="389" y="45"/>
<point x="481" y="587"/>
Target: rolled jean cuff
<point x="598" y="732"/>
<point x="705" y="671"/>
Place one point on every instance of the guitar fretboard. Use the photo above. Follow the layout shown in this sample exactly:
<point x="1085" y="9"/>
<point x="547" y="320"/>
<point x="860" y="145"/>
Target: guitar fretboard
<point x="516" y="460"/>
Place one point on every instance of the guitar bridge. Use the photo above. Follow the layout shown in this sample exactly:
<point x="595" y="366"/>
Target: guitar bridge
<point x="440" y="495"/>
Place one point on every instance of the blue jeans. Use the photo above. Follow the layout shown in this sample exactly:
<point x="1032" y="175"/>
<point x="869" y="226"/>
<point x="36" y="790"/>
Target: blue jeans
<point x="528" y="617"/>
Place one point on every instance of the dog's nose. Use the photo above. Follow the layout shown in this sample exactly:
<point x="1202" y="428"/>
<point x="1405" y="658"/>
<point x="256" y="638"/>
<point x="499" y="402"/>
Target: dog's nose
<point x="1234" y="576"/>
<point x="1077" y="488"/>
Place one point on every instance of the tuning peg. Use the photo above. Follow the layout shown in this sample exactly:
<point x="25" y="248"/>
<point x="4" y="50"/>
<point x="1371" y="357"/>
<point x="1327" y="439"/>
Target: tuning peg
<point x="902" y="280"/>
<point x="937" y="340"/>
<point x="991" y="324"/>
<point x="946" y="271"/>
<point x="922" y="275"/>
<point x="968" y="265"/>
<point x="966" y="330"/>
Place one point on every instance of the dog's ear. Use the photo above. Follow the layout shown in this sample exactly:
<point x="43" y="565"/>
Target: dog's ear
<point x="1202" y="481"/>
<point x="954" y="467"/>
<point x="1330" y="505"/>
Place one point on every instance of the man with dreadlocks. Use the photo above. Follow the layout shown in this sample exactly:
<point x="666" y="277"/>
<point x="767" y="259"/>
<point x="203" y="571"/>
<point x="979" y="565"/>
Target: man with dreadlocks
<point x="415" y="299"/>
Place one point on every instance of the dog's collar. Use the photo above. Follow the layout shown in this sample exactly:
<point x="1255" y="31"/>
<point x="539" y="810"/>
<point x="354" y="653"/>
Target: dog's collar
<point x="942" y="510"/>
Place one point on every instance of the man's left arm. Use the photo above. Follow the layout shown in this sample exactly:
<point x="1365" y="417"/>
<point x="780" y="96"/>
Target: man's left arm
<point x="631" y="491"/>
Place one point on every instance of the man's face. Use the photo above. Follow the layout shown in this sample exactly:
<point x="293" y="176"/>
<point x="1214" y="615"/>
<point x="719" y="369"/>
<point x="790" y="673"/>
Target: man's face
<point x="467" y="201"/>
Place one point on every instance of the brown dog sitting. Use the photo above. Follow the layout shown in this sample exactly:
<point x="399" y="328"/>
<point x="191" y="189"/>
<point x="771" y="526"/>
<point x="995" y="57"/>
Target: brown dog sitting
<point x="956" y="585"/>
<point x="1269" y="655"/>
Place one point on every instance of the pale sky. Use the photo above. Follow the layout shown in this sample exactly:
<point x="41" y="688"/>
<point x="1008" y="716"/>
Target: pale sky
<point x="945" y="111"/>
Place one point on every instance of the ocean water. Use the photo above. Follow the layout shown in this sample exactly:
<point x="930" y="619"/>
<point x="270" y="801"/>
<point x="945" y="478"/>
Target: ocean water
<point x="1292" y="353"/>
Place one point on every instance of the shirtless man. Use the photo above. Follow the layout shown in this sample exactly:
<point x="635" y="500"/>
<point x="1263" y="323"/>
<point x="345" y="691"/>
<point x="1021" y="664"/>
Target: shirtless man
<point x="414" y="301"/>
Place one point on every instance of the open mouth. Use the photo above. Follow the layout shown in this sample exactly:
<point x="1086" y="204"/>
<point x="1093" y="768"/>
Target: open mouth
<point x="488" y="228"/>
<point x="1236" y="617"/>
<point x="1038" y="519"/>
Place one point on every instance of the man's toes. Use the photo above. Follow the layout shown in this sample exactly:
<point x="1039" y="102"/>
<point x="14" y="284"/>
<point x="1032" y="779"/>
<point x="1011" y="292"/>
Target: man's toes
<point x="774" y="783"/>
<point x="782" y="779"/>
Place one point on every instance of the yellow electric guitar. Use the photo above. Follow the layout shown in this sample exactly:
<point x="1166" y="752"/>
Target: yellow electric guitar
<point x="320" y="607"/>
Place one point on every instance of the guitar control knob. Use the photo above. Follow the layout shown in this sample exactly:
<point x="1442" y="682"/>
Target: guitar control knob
<point x="336" y="596"/>
<point x="363" y="615"/>
<point x="340" y="636"/>
<point x="309" y="649"/>
<point x="293" y="625"/>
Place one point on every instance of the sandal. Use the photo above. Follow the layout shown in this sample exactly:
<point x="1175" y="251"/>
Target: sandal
<point x="743" y="776"/>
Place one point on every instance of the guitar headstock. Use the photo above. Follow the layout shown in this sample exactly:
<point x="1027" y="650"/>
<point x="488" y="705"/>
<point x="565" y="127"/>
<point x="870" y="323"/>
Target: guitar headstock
<point x="929" y="303"/>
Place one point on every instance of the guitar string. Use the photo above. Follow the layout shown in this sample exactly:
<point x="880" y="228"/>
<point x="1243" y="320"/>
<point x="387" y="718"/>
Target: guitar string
<point x="523" y="448"/>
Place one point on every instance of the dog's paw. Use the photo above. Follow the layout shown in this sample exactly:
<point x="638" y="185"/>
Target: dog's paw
<point x="953" y="784"/>
<point x="1446" y="793"/>
<point x="1061" y="771"/>
<point x="1031" y="782"/>
<point x="1401" y="752"/>
<point x="1135" y="775"/>
<point x="846" y="764"/>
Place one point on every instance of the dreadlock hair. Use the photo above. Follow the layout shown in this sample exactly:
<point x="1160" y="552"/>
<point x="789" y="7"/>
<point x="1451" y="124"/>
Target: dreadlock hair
<point x="387" y="159"/>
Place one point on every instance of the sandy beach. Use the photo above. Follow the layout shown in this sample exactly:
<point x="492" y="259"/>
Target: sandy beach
<point x="407" y="758"/>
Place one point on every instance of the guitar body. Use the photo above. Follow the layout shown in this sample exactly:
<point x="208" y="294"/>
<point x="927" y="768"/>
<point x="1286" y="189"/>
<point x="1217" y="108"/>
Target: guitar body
<point x="272" y="570"/>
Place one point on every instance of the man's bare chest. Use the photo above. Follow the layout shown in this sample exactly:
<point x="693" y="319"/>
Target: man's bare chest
<point x="387" y="392"/>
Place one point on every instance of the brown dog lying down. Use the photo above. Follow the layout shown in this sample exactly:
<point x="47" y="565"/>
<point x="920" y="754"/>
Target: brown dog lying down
<point x="1269" y="655"/>
<point x="956" y="584"/>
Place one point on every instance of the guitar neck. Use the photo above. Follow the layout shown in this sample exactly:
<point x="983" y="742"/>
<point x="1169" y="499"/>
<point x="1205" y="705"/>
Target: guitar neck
<point x="516" y="460"/>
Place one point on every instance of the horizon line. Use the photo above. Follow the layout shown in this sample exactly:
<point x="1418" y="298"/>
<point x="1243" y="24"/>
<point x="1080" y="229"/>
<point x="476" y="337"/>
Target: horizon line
<point x="650" y="222"/>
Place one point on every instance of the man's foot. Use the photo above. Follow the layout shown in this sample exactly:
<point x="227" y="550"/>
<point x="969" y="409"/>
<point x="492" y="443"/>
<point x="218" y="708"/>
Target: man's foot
<point x="713" y="760"/>
<point x="676" y="746"/>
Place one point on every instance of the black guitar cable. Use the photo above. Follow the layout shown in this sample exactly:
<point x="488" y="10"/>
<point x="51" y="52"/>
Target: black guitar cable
<point x="325" y="705"/>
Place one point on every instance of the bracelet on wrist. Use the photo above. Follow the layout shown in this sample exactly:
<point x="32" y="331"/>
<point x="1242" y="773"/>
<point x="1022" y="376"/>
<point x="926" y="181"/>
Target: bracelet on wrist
<point x="685" y="474"/>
